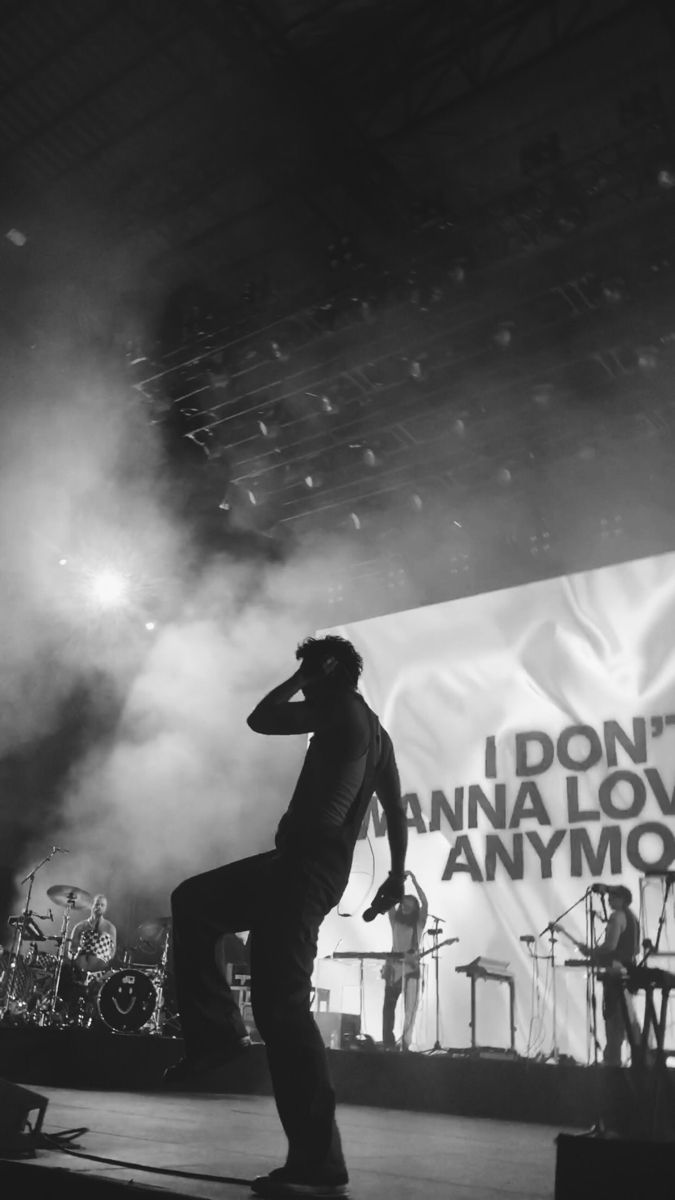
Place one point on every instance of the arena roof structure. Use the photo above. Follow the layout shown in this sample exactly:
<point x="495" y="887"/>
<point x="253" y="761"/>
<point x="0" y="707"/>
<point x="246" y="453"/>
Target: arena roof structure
<point x="368" y="266"/>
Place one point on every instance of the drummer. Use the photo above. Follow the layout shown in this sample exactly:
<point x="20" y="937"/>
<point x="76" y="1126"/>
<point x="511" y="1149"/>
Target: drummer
<point x="93" y="943"/>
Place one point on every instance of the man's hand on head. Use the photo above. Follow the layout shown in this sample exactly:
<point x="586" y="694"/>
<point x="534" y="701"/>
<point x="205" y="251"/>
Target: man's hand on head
<point x="309" y="676"/>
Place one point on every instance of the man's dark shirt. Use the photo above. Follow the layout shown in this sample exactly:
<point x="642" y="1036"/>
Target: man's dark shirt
<point x="628" y="945"/>
<point x="329" y="796"/>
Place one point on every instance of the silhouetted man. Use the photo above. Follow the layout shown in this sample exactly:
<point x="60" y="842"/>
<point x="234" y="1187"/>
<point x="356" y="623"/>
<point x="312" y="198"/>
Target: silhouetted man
<point x="281" y="897"/>
<point x="618" y="948"/>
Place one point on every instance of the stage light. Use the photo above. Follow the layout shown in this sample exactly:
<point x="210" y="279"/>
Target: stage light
<point x="365" y="454"/>
<point x="611" y="527"/>
<point x="242" y="496"/>
<point x="503" y="335"/>
<point x="278" y="353"/>
<point x="504" y="476"/>
<point x="459" y="427"/>
<point x="648" y="358"/>
<point x="542" y="394"/>
<point x="109" y="588"/>
<point x="150" y="626"/>
<point x="665" y="176"/>
<point x="63" y="562"/>
<point x="324" y="402"/>
<point x="614" y="291"/>
<point x="16" y="237"/>
<point x="268" y="427"/>
<point x="313" y="480"/>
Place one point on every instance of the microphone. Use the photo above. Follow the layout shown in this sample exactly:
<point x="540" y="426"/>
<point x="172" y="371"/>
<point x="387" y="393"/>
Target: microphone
<point x="376" y="909"/>
<point x="605" y="889"/>
<point x="669" y="876"/>
<point x="526" y="938"/>
<point x="59" y="850"/>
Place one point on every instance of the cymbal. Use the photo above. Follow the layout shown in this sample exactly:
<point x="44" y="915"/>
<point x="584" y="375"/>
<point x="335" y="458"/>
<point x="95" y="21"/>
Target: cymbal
<point x="70" y="896"/>
<point x="153" y="930"/>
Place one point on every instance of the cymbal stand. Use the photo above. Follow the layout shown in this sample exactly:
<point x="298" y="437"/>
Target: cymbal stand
<point x="21" y="927"/>
<point x="62" y="943"/>
<point x="157" y="1022"/>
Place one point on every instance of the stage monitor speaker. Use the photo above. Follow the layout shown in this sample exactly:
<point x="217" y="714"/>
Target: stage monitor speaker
<point x="590" y="1167"/>
<point x="338" y="1029"/>
<point x="18" y="1135"/>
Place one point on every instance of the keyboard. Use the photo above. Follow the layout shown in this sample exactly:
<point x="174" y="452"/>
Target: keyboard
<point x="396" y="954"/>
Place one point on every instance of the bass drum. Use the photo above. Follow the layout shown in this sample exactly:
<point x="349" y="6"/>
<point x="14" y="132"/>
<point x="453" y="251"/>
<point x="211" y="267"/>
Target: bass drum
<point x="127" y="1000"/>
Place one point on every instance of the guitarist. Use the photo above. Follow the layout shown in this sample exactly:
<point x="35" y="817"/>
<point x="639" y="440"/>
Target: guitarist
<point x="402" y="976"/>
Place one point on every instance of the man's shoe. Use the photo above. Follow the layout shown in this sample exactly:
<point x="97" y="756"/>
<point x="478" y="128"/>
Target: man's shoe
<point x="192" y="1072"/>
<point x="288" y="1182"/>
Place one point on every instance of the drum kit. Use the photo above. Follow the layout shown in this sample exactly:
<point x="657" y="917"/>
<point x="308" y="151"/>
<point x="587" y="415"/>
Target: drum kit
<point x="40" y="987"/>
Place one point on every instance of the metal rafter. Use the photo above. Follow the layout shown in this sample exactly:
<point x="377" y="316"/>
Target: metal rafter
<point x="494" y="71"/>
<point x="70" y="41"/>
<point x="92" y="94"/>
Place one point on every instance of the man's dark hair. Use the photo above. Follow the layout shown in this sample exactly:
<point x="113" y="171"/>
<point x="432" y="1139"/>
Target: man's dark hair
<point x="314" y="651"/>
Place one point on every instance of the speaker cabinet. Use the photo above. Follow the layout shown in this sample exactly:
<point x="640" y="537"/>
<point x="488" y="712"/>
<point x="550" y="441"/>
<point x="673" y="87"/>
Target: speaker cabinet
<point x="18" y="1132"/>
<point x="337" y="1029"/>
<point x="588" y="1168"/>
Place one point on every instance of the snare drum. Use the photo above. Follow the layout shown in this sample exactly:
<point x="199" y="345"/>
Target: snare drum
<point x="127" y="1000"/>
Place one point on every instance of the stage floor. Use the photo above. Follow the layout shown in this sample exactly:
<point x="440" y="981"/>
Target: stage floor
<point x="398" y="1154"/>
<point x="448" y="1084"/>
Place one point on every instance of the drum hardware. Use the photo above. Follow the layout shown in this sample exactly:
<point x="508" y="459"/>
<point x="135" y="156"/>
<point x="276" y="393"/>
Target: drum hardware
<point x="158" y="1015"/>
<point x="30" y="932"/>
<point x="26" y="929"/>
<point x="132" y="999"/>
<point x="127" y="1001"/>
<point x="70" y="898"/>
<point x="150" y="936"/>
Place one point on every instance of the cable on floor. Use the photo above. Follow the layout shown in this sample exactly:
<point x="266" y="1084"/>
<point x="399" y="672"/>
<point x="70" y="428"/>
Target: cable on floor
<point x="63" y="1142"/>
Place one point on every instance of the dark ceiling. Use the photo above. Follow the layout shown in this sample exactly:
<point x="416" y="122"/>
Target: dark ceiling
<point x="366" y="262"/>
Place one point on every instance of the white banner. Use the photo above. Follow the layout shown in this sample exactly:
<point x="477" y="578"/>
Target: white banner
<point x="534" y="730"/>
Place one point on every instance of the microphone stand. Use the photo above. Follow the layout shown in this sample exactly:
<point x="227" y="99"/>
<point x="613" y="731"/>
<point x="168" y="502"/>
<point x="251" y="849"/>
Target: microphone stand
<point x="591" y="998"/>
<point x="550" y="930"/>
<point x="435" y="934"/>
<point x="654" y="949"/>
<point x="21" y="926"/>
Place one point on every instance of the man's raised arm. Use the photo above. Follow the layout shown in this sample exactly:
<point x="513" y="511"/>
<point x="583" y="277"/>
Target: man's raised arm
<point x="388" y="791"/>
<point x="277" y="712"/>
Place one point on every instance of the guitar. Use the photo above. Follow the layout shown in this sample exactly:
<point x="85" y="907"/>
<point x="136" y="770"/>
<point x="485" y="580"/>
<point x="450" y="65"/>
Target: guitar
<point x="411" y="959"/>
<point x="598" y="958"/>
